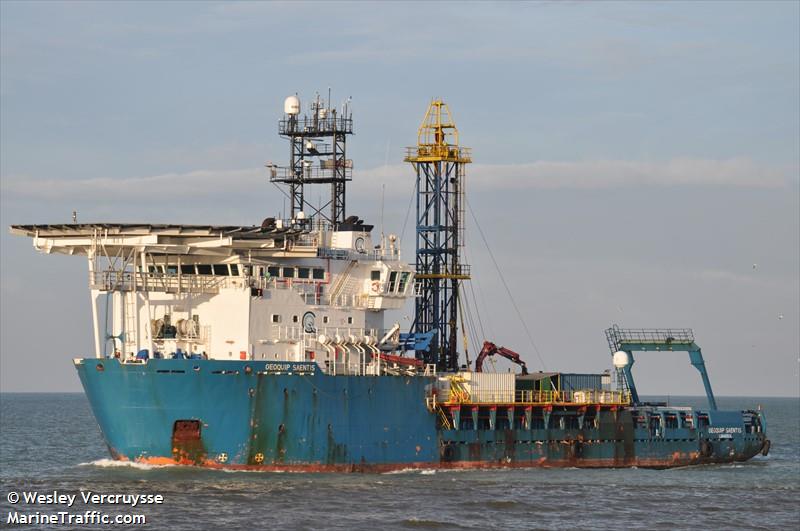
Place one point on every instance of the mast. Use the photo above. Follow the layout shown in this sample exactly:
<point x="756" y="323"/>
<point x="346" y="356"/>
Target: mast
<point x="318" y="155"/>
<point x="439" y="163"/>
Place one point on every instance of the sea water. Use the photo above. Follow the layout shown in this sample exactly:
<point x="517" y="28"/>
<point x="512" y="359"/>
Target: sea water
<point x="50" y="443"/>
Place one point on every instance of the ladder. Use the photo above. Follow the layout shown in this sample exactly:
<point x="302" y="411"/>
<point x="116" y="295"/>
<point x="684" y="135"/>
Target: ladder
<point x="130" y="319"/>
<point x="342" y="280"/>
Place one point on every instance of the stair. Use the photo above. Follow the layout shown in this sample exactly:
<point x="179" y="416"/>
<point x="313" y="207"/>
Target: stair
<point x="344" y="280"/>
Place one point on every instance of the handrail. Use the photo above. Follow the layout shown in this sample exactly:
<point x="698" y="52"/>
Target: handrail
<point x="460" y="395"/>
<point x="438" y="152"/>
<point x="312" y="124"/>
<point x="116" y="280"/>
<point x="618" y="336"/>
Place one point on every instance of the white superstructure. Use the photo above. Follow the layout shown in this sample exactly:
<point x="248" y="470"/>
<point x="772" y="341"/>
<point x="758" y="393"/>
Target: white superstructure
<point x="286" y="291"/>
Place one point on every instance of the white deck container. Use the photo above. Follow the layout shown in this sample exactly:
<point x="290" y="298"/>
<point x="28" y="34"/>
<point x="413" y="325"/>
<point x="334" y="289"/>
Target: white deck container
<point x="489" y="386"/>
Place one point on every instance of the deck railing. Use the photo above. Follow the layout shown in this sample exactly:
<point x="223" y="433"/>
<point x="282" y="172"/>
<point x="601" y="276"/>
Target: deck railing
<point x="173" y="283"/>
<point x="460" y="395"/>
<point x="656" y="336"/>
<point x="116" y="280"/>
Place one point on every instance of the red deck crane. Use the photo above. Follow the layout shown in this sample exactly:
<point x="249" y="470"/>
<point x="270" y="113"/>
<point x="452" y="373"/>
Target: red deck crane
<point x="490" y="349"/>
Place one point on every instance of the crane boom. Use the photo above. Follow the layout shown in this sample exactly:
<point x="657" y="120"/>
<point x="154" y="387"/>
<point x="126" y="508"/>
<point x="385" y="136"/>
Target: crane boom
<point x="490" y="349"/>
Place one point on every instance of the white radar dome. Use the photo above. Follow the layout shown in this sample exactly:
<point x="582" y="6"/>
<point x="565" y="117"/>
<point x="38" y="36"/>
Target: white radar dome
<point x="291" y="105"/>
<point x="621" y="359"/>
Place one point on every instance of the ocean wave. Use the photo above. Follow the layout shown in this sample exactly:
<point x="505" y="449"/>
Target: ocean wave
<point x="415" y="522"/>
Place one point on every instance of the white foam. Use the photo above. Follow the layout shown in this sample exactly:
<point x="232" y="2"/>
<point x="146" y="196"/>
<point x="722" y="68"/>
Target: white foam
<point x="110" y="463"/>
<point x="401" y="471"/>
<point x="423" y="471"/>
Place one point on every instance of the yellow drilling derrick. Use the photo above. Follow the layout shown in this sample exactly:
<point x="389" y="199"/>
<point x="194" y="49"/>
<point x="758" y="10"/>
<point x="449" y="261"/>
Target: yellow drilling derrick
<point x="439" y="164"/>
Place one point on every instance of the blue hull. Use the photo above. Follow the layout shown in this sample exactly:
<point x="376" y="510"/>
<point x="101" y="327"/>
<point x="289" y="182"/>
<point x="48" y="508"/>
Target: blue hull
<point x="291" y="416"/>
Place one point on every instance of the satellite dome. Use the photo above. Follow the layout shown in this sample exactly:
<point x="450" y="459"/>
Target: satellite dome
<point x="621" y="359"/>
<point x="291" y="105"/>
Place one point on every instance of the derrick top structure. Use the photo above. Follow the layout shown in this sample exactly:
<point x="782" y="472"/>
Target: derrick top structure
<point x="439" y="160"/>
<point x="437" y="138"/>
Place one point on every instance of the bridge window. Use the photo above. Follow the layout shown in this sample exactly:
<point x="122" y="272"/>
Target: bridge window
<point x="203" y="269"/>
<point x="287" y="272"/>
<point x="274" y="271"/>
<point x="401" y="288"/>
<point x="319" y="274"/>
<point x="303" y="272"/>
<point x="234" y="270"/>
<point x="187" y="269"/>
<point x="375" y="275"/>
<point x="392" y="281"/>
<point x="221" y="270"/>
<point x="172" y="270"/>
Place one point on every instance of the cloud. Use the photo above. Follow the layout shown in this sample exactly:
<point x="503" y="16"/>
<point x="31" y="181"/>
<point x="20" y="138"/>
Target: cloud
<point x="171" y="187"/>
<point x="203" y="184"/>
<point x="736" y="172"/>
<point x="599" y="174"/>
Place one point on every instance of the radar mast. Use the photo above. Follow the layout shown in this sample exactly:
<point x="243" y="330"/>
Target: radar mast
<point x="318" y="155"/>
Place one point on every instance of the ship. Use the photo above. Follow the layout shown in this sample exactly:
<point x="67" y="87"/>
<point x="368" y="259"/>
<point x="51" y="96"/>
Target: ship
<point x="265" y="347"/>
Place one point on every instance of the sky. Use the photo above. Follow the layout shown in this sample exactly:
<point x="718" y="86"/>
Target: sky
<point x="634" y="163"/>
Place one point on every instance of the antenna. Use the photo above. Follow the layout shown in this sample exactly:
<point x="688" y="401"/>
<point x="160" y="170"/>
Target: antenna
<point x="383" y="189"/>
<point x="383" y="202"/>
